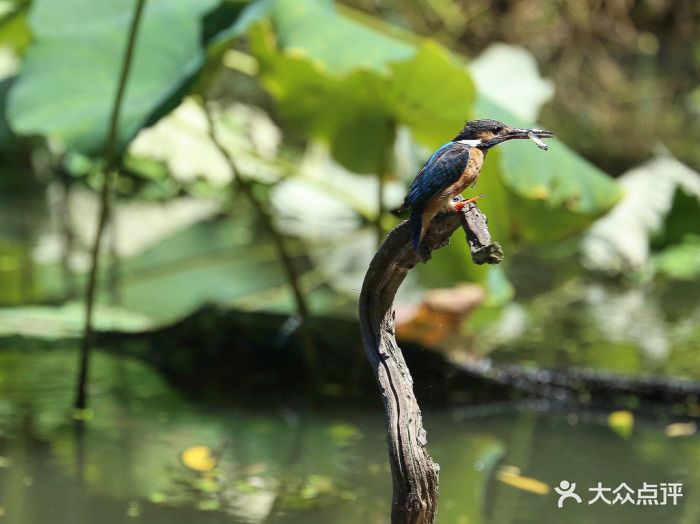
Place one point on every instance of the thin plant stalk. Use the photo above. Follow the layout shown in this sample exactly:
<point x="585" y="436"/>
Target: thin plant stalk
<point x="67" y="235"/>
<point x="110" y="173"/>
<point x="302" y="308"/>
<point x="115" y="262"/>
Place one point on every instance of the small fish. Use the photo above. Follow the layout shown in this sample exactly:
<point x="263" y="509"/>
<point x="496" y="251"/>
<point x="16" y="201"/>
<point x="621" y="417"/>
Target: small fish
<point x="532" y="136"/>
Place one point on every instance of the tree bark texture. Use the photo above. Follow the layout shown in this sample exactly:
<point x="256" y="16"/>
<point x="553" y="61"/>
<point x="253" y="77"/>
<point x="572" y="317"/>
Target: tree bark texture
<point x="414" y="473"/>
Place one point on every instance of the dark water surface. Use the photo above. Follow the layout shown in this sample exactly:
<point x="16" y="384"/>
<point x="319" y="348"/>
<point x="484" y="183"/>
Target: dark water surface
<point x="295" y="465"/>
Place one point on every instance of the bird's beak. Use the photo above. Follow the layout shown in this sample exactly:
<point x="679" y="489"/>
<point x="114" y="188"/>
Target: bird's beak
<point x="514" y="133"/>
<point x="510" y="133"/>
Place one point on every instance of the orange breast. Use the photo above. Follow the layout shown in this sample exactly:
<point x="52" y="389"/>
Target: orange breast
<point x="469" y="175"/>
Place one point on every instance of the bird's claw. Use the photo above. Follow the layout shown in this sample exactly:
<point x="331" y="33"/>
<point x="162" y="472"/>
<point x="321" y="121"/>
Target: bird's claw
<point x="458" y="206"/>
<point x="424" y="253"/>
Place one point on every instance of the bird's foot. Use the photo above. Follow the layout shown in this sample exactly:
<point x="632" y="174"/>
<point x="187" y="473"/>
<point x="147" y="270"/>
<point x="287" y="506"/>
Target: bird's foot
<point x="424" y="253"/>
<point x="458" y="206"/>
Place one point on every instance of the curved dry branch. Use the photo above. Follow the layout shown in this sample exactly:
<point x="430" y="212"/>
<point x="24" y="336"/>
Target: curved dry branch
<point x="414" y="473"/>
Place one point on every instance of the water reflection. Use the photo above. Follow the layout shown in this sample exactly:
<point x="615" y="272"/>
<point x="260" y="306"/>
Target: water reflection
<point x="290" y="464"/>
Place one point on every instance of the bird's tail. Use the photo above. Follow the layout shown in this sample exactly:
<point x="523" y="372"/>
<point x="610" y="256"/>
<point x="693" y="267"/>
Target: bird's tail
<point x="417" y="229"/>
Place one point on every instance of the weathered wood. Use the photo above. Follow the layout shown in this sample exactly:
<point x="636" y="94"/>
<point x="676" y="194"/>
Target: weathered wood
<point x="414" y="473"/>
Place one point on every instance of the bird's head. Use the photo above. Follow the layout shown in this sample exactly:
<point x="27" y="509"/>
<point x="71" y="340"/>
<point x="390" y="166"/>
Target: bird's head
<point x="488" y="133"/>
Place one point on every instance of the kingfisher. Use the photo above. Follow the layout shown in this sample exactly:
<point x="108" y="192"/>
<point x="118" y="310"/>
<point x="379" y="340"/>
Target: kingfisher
<point x="454" y="167"/>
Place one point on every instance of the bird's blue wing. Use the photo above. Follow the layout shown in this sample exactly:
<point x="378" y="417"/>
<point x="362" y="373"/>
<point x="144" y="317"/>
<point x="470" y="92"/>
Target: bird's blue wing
<point x="441" y="170"/>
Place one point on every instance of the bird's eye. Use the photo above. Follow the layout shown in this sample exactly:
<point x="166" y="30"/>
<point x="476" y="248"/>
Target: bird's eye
<point x="497" y="130"/>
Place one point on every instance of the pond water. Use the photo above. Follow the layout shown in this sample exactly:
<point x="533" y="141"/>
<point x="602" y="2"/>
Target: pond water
<point x="295" y="464"/>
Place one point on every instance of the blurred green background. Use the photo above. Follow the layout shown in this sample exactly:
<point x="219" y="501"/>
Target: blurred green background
<point x="256" y="152"/>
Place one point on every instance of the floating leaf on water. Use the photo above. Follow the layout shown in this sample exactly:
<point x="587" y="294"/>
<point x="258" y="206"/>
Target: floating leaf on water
<point x="681" y="429"/>
<point x="510" y="470"/>
<point x="344" y="433"/>
<point x="208" y="485"/>
<point x="134" y="509"/>
<point x="511" y="475"/>
<point x="198" y="458"/>
<point x="316" y="485"/>
<point x="158" y="497"/>
<point x="209" y="505"/>
<point x="621" y="422"/>
<point x="256" y="469"/>
<point x="348" y="495"/>
<point x="81" y="415"/>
